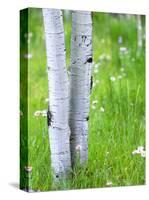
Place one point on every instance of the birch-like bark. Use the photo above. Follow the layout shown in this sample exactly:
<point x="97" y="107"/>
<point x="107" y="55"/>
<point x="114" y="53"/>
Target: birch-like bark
<point x="80" y="78"/>
<point x="139" y="31"/>
<point x="59" y="132"/>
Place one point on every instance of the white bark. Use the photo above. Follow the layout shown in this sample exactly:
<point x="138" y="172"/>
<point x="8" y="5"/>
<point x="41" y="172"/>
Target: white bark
<point x="59" y="133"/>
<point x="80" y="77"/>
<point x="139" y="31"/>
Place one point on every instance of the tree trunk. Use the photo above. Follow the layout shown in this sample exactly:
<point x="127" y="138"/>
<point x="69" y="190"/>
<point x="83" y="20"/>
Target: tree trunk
<point x="139" y="31"/>
<point x="59" y="133"/>
<point x="80" y="78"/>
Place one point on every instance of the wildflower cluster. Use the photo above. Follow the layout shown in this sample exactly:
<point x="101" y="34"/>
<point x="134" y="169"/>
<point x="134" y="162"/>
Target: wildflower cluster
<point x="42" y="113"/>
<point x="28" y="168"/>
<point x="140" y="150"/>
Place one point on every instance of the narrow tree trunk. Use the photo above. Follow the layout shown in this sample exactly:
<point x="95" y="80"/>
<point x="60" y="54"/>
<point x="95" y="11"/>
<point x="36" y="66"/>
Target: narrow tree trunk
<point x="139" y="31"/>
<point x="59" y="133"/>
<point x="80" y="77"/>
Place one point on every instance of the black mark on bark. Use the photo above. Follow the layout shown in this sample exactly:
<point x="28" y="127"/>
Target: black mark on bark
<point x="84" y="38"/>
<point x="49" y="117"/>
<point x="57" y="176"/>
<point x="87" y="118"/>
<point x="89" y="60"/>
<point x="91" y="84"/>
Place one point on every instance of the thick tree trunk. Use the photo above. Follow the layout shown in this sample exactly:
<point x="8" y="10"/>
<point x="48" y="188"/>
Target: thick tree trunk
<point x="80" y="78"/>
<point x="59" y="133"/>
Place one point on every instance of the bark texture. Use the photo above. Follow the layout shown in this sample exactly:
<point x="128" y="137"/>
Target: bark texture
<point x="80" y="78"/>
<point x="59" y="132"/>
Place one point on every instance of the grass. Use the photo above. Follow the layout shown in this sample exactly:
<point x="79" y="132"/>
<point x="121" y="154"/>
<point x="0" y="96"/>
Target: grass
<point x="116" y="125"/>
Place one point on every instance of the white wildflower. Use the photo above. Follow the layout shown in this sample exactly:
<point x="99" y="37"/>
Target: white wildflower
<point x="140" y="150"/>
<point x="42" y="113"/>
<point x="95" y="102"/>
<point x="37" y="113"/>
<point x="143" y="154"/>
<point x="102" y="109"/>
<point x="78" y="147"/>
<point x="123" y="50"/>
<point x="94" y="84"/>
<point x="28" y="168"/>
<point x="112" y="78"/>
<point x="135" y="152"/>
<point x="104" y="57"/>
<point x="109" y="183"/>
<point x="28" y="56"/>
<point x="47" y="100"/>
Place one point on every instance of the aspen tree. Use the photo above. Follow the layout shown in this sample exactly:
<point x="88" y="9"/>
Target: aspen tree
<point x="59" y="132"/>
<point x="80" y="78"/>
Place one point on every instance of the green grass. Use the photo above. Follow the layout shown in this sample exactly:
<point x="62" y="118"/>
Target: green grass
<point x="114" y="133"/>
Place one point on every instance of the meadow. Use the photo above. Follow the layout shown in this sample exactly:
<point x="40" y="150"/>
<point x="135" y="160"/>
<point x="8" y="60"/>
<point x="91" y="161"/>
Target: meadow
<point x="117" y="105"/>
